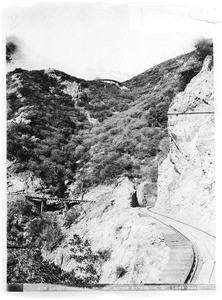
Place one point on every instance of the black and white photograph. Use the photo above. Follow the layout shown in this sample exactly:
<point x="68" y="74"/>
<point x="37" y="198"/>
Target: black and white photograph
<point x="110" y="146"/>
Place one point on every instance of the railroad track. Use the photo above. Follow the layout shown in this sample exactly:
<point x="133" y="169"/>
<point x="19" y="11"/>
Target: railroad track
<point x="194" y="261"/>
<point x="153" y="212"/>
<point x="184" y="256"/>
<point x="203" y="243"/>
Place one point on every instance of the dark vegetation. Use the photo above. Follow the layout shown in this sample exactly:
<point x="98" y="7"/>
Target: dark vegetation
<point x="191" y="69"/>
<point x="58" y="141"/>
<point x="11" y="49"/>
<point x="204" y="47"/>
<point x="127" y="142"/>
<point x="72" y="216"/>
<point x="49" y="144"/>
<point x="120" y="272"/>
<point x="104" y="99"/>
<point x="59" y="144"/>
<point x="28" y="234"/>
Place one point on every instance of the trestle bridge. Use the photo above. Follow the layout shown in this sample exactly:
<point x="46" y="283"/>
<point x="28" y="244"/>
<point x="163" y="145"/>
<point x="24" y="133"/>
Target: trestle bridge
<point x="54" y="203"/>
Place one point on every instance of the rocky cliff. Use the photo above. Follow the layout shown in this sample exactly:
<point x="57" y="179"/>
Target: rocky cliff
<point x="186" y="183"/>
<point x="133" y="248"/>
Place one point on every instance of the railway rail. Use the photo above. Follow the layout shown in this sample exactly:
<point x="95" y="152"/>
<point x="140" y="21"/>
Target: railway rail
<point x="202" y="263"/>
<point x="183" y="259"/>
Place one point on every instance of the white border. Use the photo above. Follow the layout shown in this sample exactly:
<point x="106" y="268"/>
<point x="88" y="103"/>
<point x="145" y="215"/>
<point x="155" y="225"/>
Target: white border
<point x="117" y="294"/>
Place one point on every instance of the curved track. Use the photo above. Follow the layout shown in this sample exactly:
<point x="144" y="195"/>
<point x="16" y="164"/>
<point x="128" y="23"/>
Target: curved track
<point x="202" y="270"/>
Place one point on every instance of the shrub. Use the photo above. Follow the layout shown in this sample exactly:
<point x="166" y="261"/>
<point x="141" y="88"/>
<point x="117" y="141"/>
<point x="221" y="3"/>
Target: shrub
<point x="89" y="262"/>
<point x="119" y="228"/>
<point x="27" y="233"/>
<point x="186" y="76"/>
<point x="105" y="255"/>
<point x="11" y="48"/>
<point x="44" y="231"/>
<point x="51" y="235"/>
<point x="19" y="213"/>
<point x="120" y="272"/>
<point x="28" y="266"/>
<point x="204" y="47"/>
<point x="71" y="217"/>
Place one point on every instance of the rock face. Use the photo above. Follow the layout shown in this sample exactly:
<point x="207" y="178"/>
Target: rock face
<point x="24" y="182"/>
<point x="186" y="180"/>
<point x="136" y="251"/>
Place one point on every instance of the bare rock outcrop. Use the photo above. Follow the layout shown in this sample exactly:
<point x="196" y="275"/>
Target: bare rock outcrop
<point x="186" y="180"/>
<point x="135" y="248"/>
<point x="24" y="182"/>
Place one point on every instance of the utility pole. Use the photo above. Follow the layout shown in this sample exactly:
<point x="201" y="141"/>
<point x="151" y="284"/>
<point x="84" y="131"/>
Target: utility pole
<point x="82" y="195"/>
<point x="41" y="207"/>
<point x="81" y="179"/>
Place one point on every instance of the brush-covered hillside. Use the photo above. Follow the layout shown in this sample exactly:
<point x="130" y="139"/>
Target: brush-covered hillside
<point x="65" y="133"/>
<point x="64" y="129"/>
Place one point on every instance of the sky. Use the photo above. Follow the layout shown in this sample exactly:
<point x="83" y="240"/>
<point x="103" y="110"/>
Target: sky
<point x="104" y="40"/>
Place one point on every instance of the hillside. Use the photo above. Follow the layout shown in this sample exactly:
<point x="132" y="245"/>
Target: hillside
<point x="59" y="124"/>
<point x="65" y="133"/>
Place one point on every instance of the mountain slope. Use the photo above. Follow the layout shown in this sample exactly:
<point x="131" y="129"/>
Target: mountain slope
<point x="60" y="126"/>
<point x="64" y="131"/>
